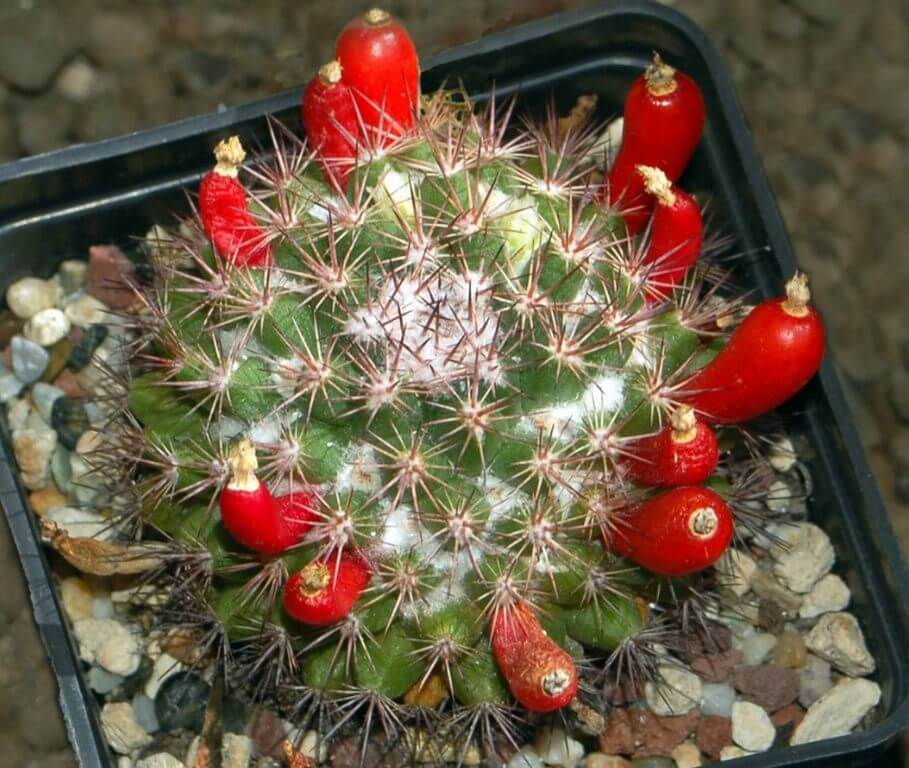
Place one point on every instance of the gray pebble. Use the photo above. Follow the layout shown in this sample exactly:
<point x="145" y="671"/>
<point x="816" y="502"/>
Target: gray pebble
<point x="10" y="386"/>
<point x="61" y="469"/>
<point x="29" y="359"/>
<point x="814" y="680"/>
<point x="756" y="647"/>
<point x="44" y="395"/>
<point x="102" y="681"/>
<point x="717" y="700"/>
<point x="144" y="707"/>
<point x="102" y="607"/>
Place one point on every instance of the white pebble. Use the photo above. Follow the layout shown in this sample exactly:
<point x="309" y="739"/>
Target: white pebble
<point x="17" y="411"/>
<point x="779" y="496"/>
<point x="165" y="666"/>
<point x="756" y="647"/>
<point x="237" y="750"/>
<point x="751" y="727"/>
<point x="525" y="757"/>
<point x="76" y="596"/>
<point x="838" y="638"/>
<point x="86" y="311"/>
<point x="71" y="275"/>
<point x="124" y="734"/>
<point x="805" y="555"/>
<point x="160" y="760"/>
<point x="675" y="692"/>
<point x="838" y="711"/>
<point x="34" y="449"/>
<point x="82" y="523"/>
<point x="108" y="643"/>
<point x="47" y="327"/>
<point x="828" y="595"/>
<point x="687" y="755"/>
<point x="555" y="747"/>
<point x="732" y="752"/>
<point x="314" y="747"/>
<point x="736" y="569"/>
<point x="717" y="699"/>
<point x="28" y="296"/>
<point x="782" y="455"/>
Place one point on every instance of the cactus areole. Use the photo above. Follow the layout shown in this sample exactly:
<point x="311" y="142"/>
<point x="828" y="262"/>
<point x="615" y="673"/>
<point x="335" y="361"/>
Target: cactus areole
<point x="429" y="417"/>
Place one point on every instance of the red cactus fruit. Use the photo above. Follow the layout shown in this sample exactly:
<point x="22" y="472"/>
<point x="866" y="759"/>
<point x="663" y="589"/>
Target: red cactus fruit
<point x="541" y="675"/>
<point x="675" y="533"/>
<point x="223" y="208"/>
<point x="664" y="117"/>
<point x="676" y="233"/>
<point x="324" y="591"/>
<point x="330" y="121"/>
<point x="297" y="511"/>
<point x="382" y="69"/>
<point x="770" y="356"/>
<point x="248" y="510"/>
<point x="685" y="452"/>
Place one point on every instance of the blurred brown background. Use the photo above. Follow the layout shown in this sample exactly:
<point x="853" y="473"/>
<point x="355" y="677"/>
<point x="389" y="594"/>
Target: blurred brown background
<point x="823" y="83"/>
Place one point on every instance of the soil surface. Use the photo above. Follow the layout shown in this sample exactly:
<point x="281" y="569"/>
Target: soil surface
<point x="821" y="81"/>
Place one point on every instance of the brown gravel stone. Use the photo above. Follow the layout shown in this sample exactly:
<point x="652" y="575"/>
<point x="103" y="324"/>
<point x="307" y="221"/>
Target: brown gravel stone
<point x="641" y="733"/>
<point x="618" y="736"/>
<point x="790" y="714"/>
<point x="790" y="651"/>
<point x="767" y="685"/>
<point x="716" y="639"/>
<point x="46" y="499"/>
<point x="267" y="734"/>
<point x="716" y="668"/>
<point x="712" y="734"/>
<point x="10" y="325"/>
<point x="346" y="753"/>
<point x="108" y="272"/>
<point x="69" y="383"/>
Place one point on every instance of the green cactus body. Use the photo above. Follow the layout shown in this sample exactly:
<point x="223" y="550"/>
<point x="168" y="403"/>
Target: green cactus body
<point x="444" y="359"/>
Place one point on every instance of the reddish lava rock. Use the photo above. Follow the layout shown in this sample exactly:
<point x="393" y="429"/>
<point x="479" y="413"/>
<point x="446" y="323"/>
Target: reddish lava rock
<point x="712" y="734"/>
<point x="69" y="383"/>
<point x="716" y="667"/>
<point x="641" y="733"/>
<point x="791" y="714"/>
<point x="109" y="276"/>
<point x="768" y="685"/>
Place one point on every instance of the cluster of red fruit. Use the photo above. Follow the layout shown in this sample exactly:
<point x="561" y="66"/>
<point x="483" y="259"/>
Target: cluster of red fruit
<point x="366" y="99"/>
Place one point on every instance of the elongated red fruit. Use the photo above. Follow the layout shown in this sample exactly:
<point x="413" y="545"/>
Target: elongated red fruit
<point x="324" y="591"/>
<point x="664" y="117"/>
<point x="541" y="675"/>
<point x="330" y="121"/>
<point x="685" y="452"/>
<point x="382" y="68"/>
<point x="676" y="232"/>
<point x="248" y="510"/>
<point x="223" y="209"/>
<point x="770" y="356"/>
<point x="678" y="532"/>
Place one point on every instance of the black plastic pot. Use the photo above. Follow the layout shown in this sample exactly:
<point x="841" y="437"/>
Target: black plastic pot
<point x="54" y="206"/>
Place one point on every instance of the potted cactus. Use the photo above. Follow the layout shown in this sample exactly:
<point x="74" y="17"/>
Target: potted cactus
<point x="430" y="426"/>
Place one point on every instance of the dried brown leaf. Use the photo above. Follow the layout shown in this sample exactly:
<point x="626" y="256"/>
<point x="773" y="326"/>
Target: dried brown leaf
<point x="102" y="558"/>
